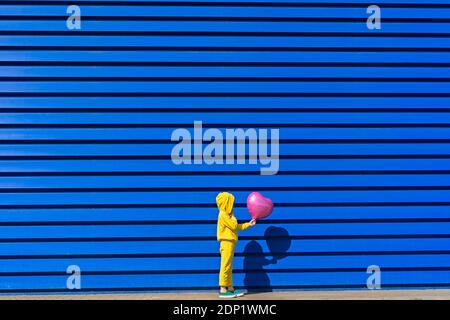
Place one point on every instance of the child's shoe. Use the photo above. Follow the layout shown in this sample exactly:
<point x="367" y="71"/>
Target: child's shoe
<point x="227" y="295"/>
<point x="238" y="293"/>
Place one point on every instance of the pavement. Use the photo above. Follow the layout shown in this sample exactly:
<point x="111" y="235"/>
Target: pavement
<point x="291" y="295"/>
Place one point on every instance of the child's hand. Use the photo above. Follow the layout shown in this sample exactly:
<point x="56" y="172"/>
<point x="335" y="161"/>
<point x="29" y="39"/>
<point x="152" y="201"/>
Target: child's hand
<point x="252" y="222"/>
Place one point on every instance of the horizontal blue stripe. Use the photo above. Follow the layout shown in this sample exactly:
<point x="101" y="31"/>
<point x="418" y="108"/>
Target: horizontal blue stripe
<point x="199" y="263"/>
<point x="224" y="180"/>
<point x="165" y="165"/>
<point x="186" y="247"/>
<point x="217" y="72"/>
<point x="219" y="26"/>
<point x="221" y="103"/>
<point x="165" y="150"/>
<point x="208" y="197"/>
<point x="237" y="3"/>
<point x="163" y="133"/>
<point x="202" y="214"/>
<point x="207" y="214"/>
<point x="210" y="41"/>
<point x="45" y="135"/>
<point x="208" y="230"/>
<point x="164" y="56"/>
<point x="187" y="119"/>
<point x="351" y="278"/>
<point x="230" y="26"/>
<point x="225" y="87"/>
<point x="222" y="11"/>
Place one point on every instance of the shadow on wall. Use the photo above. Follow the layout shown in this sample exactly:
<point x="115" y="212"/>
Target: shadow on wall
<point x="256" y="278"/>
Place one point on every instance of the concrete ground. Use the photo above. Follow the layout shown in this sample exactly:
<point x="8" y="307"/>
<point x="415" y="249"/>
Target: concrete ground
<point x="292" y="295"/>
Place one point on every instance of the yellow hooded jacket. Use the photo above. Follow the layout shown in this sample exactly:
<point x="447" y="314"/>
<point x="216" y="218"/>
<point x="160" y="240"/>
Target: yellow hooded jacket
<point x="227" y="225"/>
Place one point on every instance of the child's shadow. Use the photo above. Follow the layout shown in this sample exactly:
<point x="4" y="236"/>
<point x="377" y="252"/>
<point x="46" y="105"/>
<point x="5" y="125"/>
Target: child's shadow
<point x="256" y="278"/>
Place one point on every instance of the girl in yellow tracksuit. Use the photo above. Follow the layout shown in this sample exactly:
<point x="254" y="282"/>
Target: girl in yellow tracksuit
<point x="227" y="229"/>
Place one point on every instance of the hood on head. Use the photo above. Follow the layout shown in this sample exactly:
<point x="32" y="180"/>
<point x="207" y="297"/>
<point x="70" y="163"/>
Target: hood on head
<point x="225" y="202"/>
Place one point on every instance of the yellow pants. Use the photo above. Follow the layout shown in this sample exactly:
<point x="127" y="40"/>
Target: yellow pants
<point x="226" y="263"/>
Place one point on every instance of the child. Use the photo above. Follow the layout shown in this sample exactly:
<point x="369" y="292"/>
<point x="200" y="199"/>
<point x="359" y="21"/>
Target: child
<point x="227" y="229"/>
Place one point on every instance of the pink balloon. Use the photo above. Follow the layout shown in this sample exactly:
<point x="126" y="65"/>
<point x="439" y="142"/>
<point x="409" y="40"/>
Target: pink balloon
<point x="258" y="205"/>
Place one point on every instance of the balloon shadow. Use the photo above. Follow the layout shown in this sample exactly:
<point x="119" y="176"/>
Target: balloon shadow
<point x="256" y="278"/>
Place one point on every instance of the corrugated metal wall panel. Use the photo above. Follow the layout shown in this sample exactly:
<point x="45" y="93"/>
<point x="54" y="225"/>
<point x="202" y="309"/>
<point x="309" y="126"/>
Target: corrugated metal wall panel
<point x="86" y="119"/>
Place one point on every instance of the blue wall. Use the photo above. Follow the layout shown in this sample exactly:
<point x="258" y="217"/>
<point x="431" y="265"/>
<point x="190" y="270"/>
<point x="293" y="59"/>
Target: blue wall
<point x="86" y="117"/>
